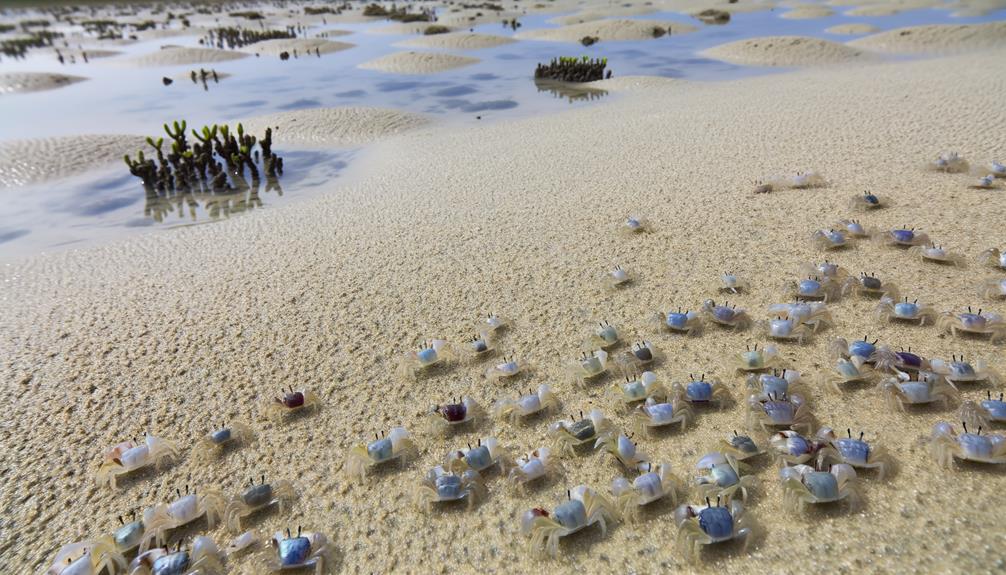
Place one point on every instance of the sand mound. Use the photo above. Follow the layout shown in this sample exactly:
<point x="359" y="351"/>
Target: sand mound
<point x="301" y="45"/>
<point x="601" y="13"/>
<point x="851" y="29"/>
<point x="18" y="82"/>
<point x="808" y="12"/>
<point x="936" y="38"/>
<point x="785" y="51"/>
<point x="28" y="161"/>
<point x="333" y="127"/>
<point x="178" y="56"/>
<point x="631" y="83"/>
<point x="606" y="30"/>
<point x="417" y="62"/>
<point x="78" y="53"/>
<point x="401" y="28"/>
<point x="459" y="41"/>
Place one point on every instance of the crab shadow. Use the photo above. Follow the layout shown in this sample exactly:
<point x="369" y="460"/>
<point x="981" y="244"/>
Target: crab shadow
<point x="584" y="540"/>
<point x="983" y="468"/>
<point x="128" y="480"/>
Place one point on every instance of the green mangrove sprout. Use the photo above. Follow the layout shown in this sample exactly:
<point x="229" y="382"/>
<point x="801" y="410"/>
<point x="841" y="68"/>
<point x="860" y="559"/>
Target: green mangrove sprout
<point x="18" y="47"/>
<point x="230" y="37"/>
<point x="399" y="14"/>
<point x="567" y="69"/>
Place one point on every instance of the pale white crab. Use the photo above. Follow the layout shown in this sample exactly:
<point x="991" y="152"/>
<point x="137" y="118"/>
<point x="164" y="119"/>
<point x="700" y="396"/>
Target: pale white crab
<point x="754" y="359"/>
<point x="910" y="311"/>
<point x="994" y="258"/>
<point x="654" y="482"/>
<point x="588" y="366"/>
<point x="632" y="225"/>
<point x="937" y="254"/>
<point x="639" y="388"/>
<point x="652" y="415"/>
<point x="201" y="558"/>
<point x="813" y="314"/>
<point x="130" y="456"/>
<point x="854" y="228"/>
<point x="442" y="486"/>
<point x="700" y="525"/>
<point x="617" y="277"/>
<point x="950" y="163"/>
<point x="572" y="433"/>
<point x="583" y="508"/>
<point x="526" y="405"/>
<point x="215" y="442"/>
<point x="731" y="282"/>
<point x="385" y="448"/>
<point x="852" y="371"/>
<point x="493" y="323"/>
<point x="784" y="329"/>
<point x="481" y="344"/>
<point x="430" y="353"/>
<point x="825" y="269"/>
<point x="946" y="445"/>
<point x="188" y="507"/>
<point x="989" y="323"/>
<point x="603" y="336"/>
<point x="533" y="466"/>
<point x="725" y="477"/>
<point x="486" y="454"/>
<point x="769" y="412"/>
<point x="830" y="239"/>
<point x="901" y="390"/>
<point x="807" y="180"/>
<point x="255" y="498"/>
<point x="509" y="367"/>
<point x="804" y="485"/>
<point x="623" y="449"/>
<point x="997" y="168"/>
<point x="91" y="557"/>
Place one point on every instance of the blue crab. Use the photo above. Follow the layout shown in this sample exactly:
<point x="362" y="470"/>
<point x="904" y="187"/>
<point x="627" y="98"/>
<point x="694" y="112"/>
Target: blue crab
<point x="687" y="322"/>
<point x="583" y="508"/>
<point x="726" y="315"/>
<point x="972" y="323"/>
<point x="804" y="485"/>
<point x="700" y="525"/>
<point x="946" y="445"/>
<point x="852" y="451"/>
<point x="908" y="311"/>
<point x="649" y="486"/>
<point x="980" y="414"/>
<point x="725" y="477"/>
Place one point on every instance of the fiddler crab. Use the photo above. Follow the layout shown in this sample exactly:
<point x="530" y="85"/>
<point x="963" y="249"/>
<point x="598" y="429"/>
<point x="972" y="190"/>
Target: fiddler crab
<point x="617" y="277"/>
<point x="946" y="445"/>
<point x="526" y="405"/>
<point x="686" y="322"/>
<point x="792" y="448"/>
<point x="623" y="449"/>
<point x="588" y="366"/>
<point x="383" y="449"/>
<point x="653" y="415"/>
<point x="852" y="451"/>
<point x="959" y="371"/>
<point x="444" y="418"/>
<point x="430" y="353"/>
<point x="950" y="163"/>
<point x="936" y="254"/>
<point x="255" y="498"/>
<point x="293" y="401"/>
<point x="754" y="359"/>
<point x="485" y="455"/>
<point x="509" y="367"/>
<point x="980" y="414"/>
<point x="992" y="288"/>
<point x="853" y="228"/>
<point x="533" y="466"/>
<point x="804" y="485"/>
<point x="994" y="258"/>
<point x="784" y="329"/>
<point x="188" y="507"/>
<point x="129" y="456"/>
<point x="635" y="225"/>
<point x="698" y="391"/>
<point x="654" y="482"/>
<point x="568" y="434"/>
<point x="201" y="558"/>
<point x="604" y="336"/>
<point x="902" y="237"/>
<point x="90" y="557"/>
<point x="215" y="442"/>
<point x="305" y="550"/>
<point x="852" y="371"/>
<point x="902" y="390"/>
<point x="908" y="311"/>
<point x="872" y="286"/>
<point x="583" y="508"/>
<point x="709" y="524"/>
<point x="731" y="282"/>
<point x="725" y="477"/>
<point x="442" y="486"/>
<point x="867" y="201"/>
<point x="830" y="239"/>
<point x="777" y="382"/>
<point x="779" y="410"/>
<point x="813" y="314"/>
<point x="990" y="324"/>
<point x="726" y="315"/>
<point x="638" y="388"/>
<point x="740" y="447"/>
<point x="821" y="288"/>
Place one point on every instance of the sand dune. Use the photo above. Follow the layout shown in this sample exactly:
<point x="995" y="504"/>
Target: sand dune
<point x="936" y="38"/>
<point x="458" y="41"/>
<point x="418" y="62"/>
<point x="29" y="161"/>
<point x="606" y="30"/>
<point x="333" y="127"/>
<point x="301" y="45"/>
<point x="18" y="82"/>
<point x="179" y="56"/>
<point x="786" y="51"/>
<point x="851" y="29"/>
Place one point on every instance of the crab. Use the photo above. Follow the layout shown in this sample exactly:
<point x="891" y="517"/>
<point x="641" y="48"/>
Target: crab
<point x="806" y="180"/>
<point x="444" y="418"/>
<point x="583" y="508"/>
<point x="649" y="486"/>
<point x="867" y="201"/>
<point x="909" y="311"/>
<point x="830" y="239"/>
<point x="927" y="387"/>
<point x="532" y="466"/>
<point x="763" y="187"/>
<point x="604" y="336"/>
<point x="991" y="324"/>
<point x="526" y="405"/>
<point x="293" y="401"/>
<point x="617" y="277"/>
<point x="201" y="558"/>
<point x="804" y="485"/>
<point x="950" y="163"/>
<point x="994" y="258"/>
<point x="242" y="543"/>
<point x="651" y="414"/>
<point x="639" y="388"/>
<point x="640" y="354"/>
<point x="493" y="323"/>
<point x="442" y="486"/>
<point x="946" y="445"/>
<point x="306" y="550"/>
<point x="778" y="382"/>
<point x="980" y="414"/>
<point x="825" y="269"/>
<point x="902" y="237"/>
<point x="130" y="456"/>
<point x="698" y="391"/>
<point x="726" y="315"/>
<point x="784" y="329"/>
<point x="90" y="557"/>
<point x="486" y="454"/>
<point x="815" y="288"/>
<point x="686" y="322"/>
<point x="430" y="353"/>
<point x="725" y="478"/>
<point x="853" y="228"/>
<point x="731" y="282"/>
<point x="813" y="314"/>
<point x="755" y="359"/>
<point x="386" y="448"/>
<point x="128" y="535"/>
<point x="936" y="254"/>
<point x="850" y="371"/>
<point x="740" y="447"/>
<point x="215" y="442"/>
<point x="791" y="448"/>
<point x="872" y="286"/>
<point x="700" y="525"/>
<point x="509" y="367"/>
<point x="959" y="371"/>
<point x="481" y="344"/>
<point x="986" y="182"/>
<point x="998" y="169"/>
<point x="635" y="225"/>
<point x="588" y="366"/>
<point x="187" y="508"/>
<point x="772" y="411"/>
<point x="992" y="288"/>
<point x="623" y="449"/>
<point x="880" y="356"/>
<point x="852" y="451"/>
<point x="576" y="432"/>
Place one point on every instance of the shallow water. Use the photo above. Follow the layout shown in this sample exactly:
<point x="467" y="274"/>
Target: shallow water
<point x="119" y="99"/>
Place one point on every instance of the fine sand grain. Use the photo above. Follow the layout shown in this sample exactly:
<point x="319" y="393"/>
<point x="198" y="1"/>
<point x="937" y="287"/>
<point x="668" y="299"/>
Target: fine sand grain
<point x="418" y="62"/>
<point x="20" y="82"/>
<point x="786" y="51"/>
<point x="458" y="41"/>
<point x="607" y="30"/>
<point x="178" y="56"/>
<point x="808" y="12"/>
<point x="333" y="127"/>
<point x="301" y="45"/>
<point x="851" y="29"/>
<point x="936" y="39"/>
<point x="29" y="161"/>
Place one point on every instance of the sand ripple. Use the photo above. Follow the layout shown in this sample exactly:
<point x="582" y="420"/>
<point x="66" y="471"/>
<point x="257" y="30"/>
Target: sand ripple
<point x="29" y="161"/>
<point x="18" y="82"/>
<point x="786" y="51"/>
<point x="418" y="62"/>
<point x="177" y="56"/>
<point x="936" y="38"/>
<point x="334" y="127"/>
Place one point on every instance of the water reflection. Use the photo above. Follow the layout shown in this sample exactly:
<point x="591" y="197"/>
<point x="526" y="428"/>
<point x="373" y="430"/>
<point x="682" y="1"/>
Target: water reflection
<point x="203" y="204"/>
<point x="571" y="92"/>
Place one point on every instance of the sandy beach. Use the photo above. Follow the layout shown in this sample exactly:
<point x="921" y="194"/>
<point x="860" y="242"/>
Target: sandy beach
<point x="436" y="224"/>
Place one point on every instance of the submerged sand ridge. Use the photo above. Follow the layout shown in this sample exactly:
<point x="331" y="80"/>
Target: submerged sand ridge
<point x="169" y="332"/>
<point x="333" y="127"/>
<point x="608" y="30"/>
<point x="418" y="62"/>
<point x="28" y="161"/>
<point x="21" y="82"/>
<point x="178" y="55"/>
<point x="459" y="41"/>
<point x="301" y="45"/>
<point x="787" y="51"/>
